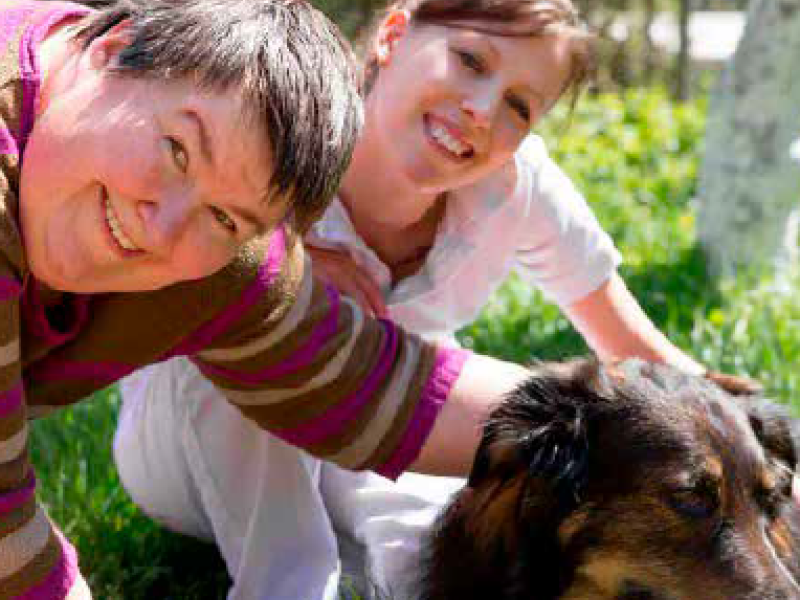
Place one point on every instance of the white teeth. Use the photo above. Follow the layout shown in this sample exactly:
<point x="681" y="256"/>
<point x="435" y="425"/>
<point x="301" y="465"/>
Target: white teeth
<point x="116" y="228"/>
<point x="443" y="136"/>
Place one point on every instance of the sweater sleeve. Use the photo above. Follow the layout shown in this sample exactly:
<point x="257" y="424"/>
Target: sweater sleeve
<point x="35" y="559"/>
<point x="323" y="376"/>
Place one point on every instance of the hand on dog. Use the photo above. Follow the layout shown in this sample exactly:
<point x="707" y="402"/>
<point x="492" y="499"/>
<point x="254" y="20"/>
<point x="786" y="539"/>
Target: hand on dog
<point x="736" y="385"/>
<point x="339" y="270"/>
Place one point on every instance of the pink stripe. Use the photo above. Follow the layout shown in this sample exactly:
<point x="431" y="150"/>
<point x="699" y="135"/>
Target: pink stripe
<point x="9" y="289"/>
<point x="11" y="399"/>
<point x="8" y="144"/>
<point x="13" y="500"/>
<point x="449" y="362"/>
<point x="301" y="358"/>
<point x="267" y="272"/>
<point x="61" y="578"/>
<point x="335" y="419"/>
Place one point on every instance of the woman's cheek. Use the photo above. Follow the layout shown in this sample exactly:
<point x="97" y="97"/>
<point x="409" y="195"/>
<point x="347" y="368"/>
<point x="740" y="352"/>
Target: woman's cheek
<point x="202" y="254"/>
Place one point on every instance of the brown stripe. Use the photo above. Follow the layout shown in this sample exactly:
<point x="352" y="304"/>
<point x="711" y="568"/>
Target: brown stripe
<point x="294" y="412"/>
<point x="334" y="370"/>
<point x="16" y="518"/>
<point x="403" y="421"/>
<point x="288" y="345"/>
<point x="279" y="322"/>
<point x="296" y="379"/>
<point x="12" y="422"/>
<point x="14" y="472"/>
<point x="334" y="444"/>
<point x="268" y="313"/>
<point x="34" y="572"/>
<point x="9" y="375"/>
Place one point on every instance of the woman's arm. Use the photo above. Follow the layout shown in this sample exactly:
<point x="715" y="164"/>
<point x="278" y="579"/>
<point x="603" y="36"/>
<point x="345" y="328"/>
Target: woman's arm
<point x="615" y="326"/>
<point x="482" y="385"/>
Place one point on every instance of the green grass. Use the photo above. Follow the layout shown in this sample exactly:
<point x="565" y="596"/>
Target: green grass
<point x="635" y="158"/>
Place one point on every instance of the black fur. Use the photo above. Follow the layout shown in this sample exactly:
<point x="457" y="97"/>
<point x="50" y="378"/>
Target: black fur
<point x="580" y="461"/>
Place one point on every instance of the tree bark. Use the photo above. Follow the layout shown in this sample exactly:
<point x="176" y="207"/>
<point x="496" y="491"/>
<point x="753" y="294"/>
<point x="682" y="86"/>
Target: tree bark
<point x="749" y="187"/>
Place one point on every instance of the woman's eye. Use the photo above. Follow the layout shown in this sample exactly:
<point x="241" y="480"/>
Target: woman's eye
<point x="223" y="219"/>
<point x="520" y="107"/>
<point x="179" y="155"/>
<point x="470" y="60"/>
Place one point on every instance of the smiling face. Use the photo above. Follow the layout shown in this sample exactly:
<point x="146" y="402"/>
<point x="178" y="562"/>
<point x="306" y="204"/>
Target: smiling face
<point x="451" y="104"/>
<point x="133" y="184"/>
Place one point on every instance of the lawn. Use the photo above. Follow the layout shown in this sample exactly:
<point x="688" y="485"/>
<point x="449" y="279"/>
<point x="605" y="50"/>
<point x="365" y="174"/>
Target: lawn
<point x="635" y="158"/>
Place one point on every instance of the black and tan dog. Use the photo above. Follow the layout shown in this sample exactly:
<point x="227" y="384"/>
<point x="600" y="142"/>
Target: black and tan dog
<point x="628" y="483"/>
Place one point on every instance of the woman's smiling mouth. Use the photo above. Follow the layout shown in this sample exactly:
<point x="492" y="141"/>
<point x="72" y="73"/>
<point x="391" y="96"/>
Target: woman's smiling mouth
<point x="116" y="229"/>
<point x="444" y="139"/>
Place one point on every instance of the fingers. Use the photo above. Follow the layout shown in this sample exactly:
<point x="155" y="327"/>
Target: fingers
<point x="735" y="384"/>
<point x="350" y="279"/>
<point x="373" y="299"/>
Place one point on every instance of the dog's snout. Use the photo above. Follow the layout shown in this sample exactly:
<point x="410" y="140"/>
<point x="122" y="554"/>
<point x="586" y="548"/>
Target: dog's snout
<point x="633" y="590"/>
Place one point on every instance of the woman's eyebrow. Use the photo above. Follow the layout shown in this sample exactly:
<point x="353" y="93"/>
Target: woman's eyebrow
<point x="205" y="143"/>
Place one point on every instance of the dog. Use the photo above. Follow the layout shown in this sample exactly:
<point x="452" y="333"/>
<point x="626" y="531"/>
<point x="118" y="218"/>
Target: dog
<point x="629" y="482"/>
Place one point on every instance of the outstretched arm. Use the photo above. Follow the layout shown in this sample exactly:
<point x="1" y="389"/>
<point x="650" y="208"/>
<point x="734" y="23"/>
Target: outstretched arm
<point x="451" y="446"/>
<point x="615" y="326"/>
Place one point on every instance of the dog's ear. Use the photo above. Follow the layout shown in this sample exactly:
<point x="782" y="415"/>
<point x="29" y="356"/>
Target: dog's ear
<point x="541" y="430"/>
<point x="777" y="431"/>
<point x="527" y="474"/>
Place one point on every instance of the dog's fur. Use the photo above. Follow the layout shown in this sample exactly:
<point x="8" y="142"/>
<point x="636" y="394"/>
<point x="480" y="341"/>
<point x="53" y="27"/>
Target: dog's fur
<point x="632" y="482"/>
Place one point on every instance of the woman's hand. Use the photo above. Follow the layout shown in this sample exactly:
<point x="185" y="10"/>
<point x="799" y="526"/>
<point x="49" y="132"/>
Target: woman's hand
<point x="339" y="270"/>
<point x="736" y="385"/>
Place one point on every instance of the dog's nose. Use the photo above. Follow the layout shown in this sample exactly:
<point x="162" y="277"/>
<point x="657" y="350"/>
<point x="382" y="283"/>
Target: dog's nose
<point x="633" y="590"/>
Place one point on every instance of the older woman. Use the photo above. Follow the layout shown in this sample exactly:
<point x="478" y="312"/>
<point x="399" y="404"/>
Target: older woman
<point x="157" y="156"/>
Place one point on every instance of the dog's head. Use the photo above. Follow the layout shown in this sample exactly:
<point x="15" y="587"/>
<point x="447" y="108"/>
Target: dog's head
<point x="633" y="482"/>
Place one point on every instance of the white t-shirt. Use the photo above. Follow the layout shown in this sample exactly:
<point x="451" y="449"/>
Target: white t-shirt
<point x="528" y="216"/>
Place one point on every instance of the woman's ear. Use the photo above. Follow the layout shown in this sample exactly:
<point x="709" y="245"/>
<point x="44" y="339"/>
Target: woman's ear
<point x="105" y="49"/>
<point x="390" y="32"/>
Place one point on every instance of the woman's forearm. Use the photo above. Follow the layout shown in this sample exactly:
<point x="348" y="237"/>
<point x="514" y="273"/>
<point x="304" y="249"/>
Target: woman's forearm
<point x="482" y="384"/>
<point x="615" y="326"/>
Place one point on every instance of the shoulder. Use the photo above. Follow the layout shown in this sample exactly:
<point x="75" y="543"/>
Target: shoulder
<point x="532" y="151"/>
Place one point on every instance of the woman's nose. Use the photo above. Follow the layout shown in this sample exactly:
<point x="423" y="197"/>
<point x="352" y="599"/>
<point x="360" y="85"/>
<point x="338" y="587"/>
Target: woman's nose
<point x="165" y="220"/>
<point x="479" y="107"/>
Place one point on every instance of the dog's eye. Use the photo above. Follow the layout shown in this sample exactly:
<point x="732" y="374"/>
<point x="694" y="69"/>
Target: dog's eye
<point x="775" y="490"/>
<point x="700" y="502"/>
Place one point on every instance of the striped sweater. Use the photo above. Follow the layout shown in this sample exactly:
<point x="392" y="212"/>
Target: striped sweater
<point x="360" y="392"/>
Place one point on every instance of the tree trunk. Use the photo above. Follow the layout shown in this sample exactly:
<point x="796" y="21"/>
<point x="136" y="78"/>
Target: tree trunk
<point x="681" y="91"/>
<point x="749" y="188"/>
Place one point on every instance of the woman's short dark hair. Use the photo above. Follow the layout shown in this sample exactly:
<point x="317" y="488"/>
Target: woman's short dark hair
<point x="292" y="68"/>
